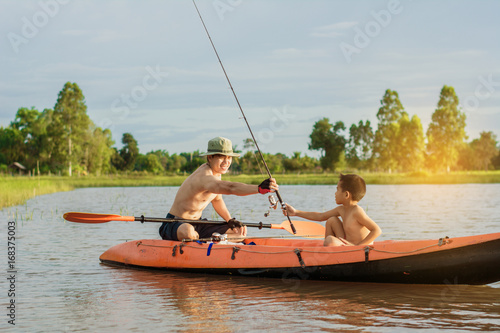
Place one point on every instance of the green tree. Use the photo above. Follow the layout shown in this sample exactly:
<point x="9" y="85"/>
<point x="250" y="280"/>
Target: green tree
<point x="163" y="157"/>
<point x="249" y="162"/>
<point x="495" y="161"/>
<point x="466" y="158"/>
<point x="410" y="143"/>
<point x="69" y="126"/>
<point x="49" y="141"/>
<point x="385" y="144"/>
<point x="274" y="163"/>
<point x="99" y="151"/>
<point x="193" y="161"/>
<point x="446" y="133"/>
<point x="485" y="149"/>
<point x="360" y="145"/>
<point x="10" y="141"/>
<point x="117" y="162"/>
<point x="175" y="163"/>
<point x="32" y="126"/>
<point x="129" y="152"/>
<point x="150" y="163"/>
<point x="326" y="138"/>
<point x="299" y="163"/>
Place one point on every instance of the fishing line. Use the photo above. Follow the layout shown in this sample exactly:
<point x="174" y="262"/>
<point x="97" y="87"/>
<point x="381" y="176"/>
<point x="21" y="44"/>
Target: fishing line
<point x="244" y="117"/>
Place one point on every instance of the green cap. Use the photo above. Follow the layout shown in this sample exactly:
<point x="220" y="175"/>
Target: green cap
<point x="220" y="145"/>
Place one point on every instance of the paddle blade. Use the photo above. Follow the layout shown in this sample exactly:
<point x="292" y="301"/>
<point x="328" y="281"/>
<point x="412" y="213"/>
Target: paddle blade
<point x="95" y="218"/>
<point x="302" y="227"/>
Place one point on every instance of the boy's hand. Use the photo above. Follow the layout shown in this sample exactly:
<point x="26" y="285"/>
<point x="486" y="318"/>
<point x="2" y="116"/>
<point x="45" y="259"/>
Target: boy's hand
<point x="268" y="185"/>
<point x="290" y="210"/>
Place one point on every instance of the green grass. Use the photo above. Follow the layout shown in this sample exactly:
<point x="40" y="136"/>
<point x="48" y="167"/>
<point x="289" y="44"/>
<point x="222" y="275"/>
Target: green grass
<point x="16" y="190"/>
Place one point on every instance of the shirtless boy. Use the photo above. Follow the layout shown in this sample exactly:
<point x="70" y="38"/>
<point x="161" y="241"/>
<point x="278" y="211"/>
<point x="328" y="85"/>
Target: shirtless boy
<point x="205" y="186"/>
<point x="355" y="228"/>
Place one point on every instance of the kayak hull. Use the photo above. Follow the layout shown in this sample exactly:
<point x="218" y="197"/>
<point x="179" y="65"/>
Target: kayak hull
<point x="461" y="260"/>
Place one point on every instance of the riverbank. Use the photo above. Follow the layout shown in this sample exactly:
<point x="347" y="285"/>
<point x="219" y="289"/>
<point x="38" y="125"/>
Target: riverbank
<point x="16" y="190"/>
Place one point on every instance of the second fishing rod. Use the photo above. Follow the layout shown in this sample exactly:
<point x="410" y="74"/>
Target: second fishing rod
<point x="244" y="117"/>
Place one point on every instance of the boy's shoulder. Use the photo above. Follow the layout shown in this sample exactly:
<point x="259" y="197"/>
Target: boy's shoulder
<point x="358" y="209"/>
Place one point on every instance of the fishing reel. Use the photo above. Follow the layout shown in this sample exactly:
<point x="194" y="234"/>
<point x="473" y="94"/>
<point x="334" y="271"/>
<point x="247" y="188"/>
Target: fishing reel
<point x="217" y="238"/>
<point x="272" y="204"/>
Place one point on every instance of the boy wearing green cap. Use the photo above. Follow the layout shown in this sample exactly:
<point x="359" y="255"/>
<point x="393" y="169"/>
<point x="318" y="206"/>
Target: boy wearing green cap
<point x="205" y="186"/>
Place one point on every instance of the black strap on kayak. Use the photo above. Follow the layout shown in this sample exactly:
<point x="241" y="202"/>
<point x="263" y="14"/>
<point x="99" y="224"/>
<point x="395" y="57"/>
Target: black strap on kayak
<point x="235" y="249"/>
<point x="301" y="261"/>
<point x="367" y="253"/>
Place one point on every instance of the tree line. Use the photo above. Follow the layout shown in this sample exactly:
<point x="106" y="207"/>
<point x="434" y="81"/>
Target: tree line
<point x="399" y="143"/>
<point x="64" y="140"/>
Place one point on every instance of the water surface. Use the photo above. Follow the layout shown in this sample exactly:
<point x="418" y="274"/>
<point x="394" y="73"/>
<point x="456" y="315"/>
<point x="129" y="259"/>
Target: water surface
<point x="61" y="286"/>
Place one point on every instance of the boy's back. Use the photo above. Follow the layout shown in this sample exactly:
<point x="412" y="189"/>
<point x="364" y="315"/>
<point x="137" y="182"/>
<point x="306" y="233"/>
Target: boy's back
<point x="354" y="230"/>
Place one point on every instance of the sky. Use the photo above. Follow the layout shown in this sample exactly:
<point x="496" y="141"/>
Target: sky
<point x="147" y="67"/>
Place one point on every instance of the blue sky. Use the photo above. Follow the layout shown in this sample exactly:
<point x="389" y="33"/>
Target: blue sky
<point x="147" y="67"/>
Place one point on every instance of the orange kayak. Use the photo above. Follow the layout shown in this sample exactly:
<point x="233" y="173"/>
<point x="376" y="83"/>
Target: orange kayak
<point x="460" y="260"/>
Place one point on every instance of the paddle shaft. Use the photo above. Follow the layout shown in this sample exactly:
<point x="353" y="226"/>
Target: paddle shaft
<point x="259" y="225"/>
<point x="244" y="117"/>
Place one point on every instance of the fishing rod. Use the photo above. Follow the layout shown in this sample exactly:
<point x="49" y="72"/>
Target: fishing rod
<point x="283" y="206"/>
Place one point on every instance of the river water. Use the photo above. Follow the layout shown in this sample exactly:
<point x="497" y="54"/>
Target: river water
<point x="60" y="286"/>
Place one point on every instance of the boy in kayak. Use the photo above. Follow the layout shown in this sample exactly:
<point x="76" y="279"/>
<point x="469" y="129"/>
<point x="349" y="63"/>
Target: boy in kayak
<point x="356" y="227"/>
<point x="205" y="186"/>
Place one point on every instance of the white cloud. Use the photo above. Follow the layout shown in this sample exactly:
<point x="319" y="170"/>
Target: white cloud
<point x="333" y="30"/>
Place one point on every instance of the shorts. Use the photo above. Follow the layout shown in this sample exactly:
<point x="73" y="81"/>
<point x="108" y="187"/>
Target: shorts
<point x="168" y="230"/>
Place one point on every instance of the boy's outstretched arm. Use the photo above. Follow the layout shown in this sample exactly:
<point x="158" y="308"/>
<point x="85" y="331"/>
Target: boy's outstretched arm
<point x="313" y="216"/>
<point x="366" y="221"/>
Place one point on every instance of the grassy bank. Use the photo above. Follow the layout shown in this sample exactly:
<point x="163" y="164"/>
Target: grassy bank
<point x="16" y="190"/>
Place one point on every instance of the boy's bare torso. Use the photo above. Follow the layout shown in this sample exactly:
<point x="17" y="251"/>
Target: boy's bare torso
<point x="354" y="231"/>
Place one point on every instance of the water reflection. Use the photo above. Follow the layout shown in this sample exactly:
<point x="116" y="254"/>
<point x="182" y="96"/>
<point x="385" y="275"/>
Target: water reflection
<point x="205" y="302"/>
